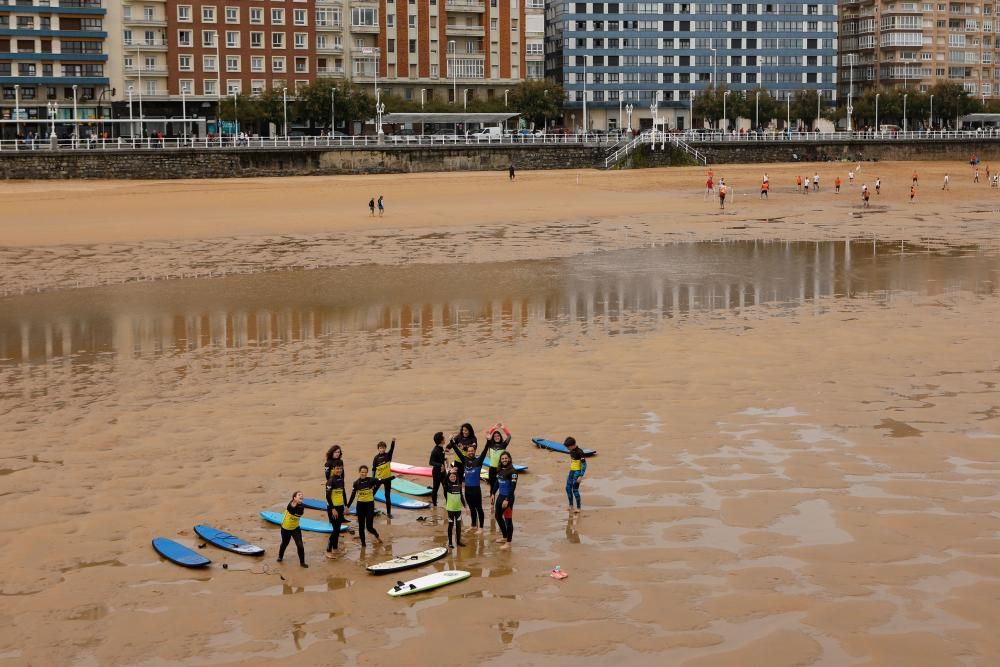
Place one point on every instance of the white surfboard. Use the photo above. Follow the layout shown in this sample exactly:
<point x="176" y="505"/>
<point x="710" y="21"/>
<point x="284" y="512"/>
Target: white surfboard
<point x="428" y="582"/>
<point x="407" y="561"/>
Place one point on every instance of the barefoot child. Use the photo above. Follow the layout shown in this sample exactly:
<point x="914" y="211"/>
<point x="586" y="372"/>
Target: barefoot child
<point x="577" y="469"/>
<point x="290" y="528"/>
<point x="454" y="501"/>
<point x="364" y="491"/>
<point x="382" y="469"/>
<point x="335" y="495"/>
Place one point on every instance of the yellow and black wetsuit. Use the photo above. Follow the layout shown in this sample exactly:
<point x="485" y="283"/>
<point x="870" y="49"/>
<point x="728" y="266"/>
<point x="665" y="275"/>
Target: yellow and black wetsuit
<point x="364" y="491"/>
<point x="335" y="509"/>
<point x="382" y="472"/>
<point x="290" y="531"/>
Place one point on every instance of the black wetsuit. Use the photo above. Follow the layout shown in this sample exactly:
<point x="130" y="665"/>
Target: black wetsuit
<point x="290" y="530"/>
<point x="364" y="490"/>
<point x="473" y="489"/>
<point x="328" y="468"/>
<point x="494" y="450"/>
<point x="335" y="496"/>
<point x="458" y="443"/>
<point x="506" y="485"/>
<point x="437" y="464"/>
<point x="382" y="473"/>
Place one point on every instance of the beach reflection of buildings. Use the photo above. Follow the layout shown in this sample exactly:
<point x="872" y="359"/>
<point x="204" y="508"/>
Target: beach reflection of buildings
<point x="591" y="298"/>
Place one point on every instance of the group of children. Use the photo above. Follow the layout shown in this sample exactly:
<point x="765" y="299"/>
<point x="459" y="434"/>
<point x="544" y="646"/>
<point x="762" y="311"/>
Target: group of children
<point x="459" y="480"/>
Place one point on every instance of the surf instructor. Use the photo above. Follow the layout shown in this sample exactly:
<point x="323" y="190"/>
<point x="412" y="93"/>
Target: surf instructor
<point x="290" y="528"/>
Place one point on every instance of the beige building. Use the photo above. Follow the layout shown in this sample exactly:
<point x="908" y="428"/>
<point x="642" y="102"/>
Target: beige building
<point x="916" y="44"/>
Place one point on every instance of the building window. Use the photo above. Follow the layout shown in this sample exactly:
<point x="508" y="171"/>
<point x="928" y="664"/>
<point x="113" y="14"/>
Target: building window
<point x="183" y="13"/>
<point x="278" y="64"/>
<point x="207" y="14"/>
<point x="257" y="87"/>
<point x="148" y="14"/>
<point x="149" y="63"/>
<point x="208" y="38"/>
<point x="256" y="40"/>
<point x="232" y="63"/>
<point x="299" y="17"/>
<point x="232" y="39"/>
<point x="301" y="40"/>
<point x="256" y="63"/>
<point x="210" y="86"/>
<point x="364" y="16"/>
<point x="185" y="63"/>
<point x="232" y="14"/>
<point x="184" y="38"/>
<point x="277" y="40"/>
<point x="234" y="86"/>
<point x="301" y="65"/>
<point x="277" y="17"/>
<point x="413" y="46"/>
<point x="257" y="15"/>
<point x="186" y="86"/>
<point x="412" y="21"/>
<point x="126" y="37"/>
<point x="209" y="64"/>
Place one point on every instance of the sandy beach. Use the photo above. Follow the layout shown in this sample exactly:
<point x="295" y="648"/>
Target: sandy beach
<point x="794" y="401"/>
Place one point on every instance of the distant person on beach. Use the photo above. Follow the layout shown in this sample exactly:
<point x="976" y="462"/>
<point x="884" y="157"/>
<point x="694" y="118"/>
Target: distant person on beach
<point x="382" y="472"/>
<point x="722" y="195"/>
<point x="709" y="188"/>
<point x="454" y="501"/>
<point x="290" y="528"/>
<point x="510" y="173"/>
<point x="381" y="207"/>
<point x="504" y="510"/>
<point x="335" y="496"/>
<point x="944" y="186"/>
<point x="816" y="181"/>
<point x="805" y="185"/>
<point x="437" y="463"/>
<point x="865" y="195"/>
<point x="798" y="182"/>
<point x="878" y="185"/>
<point x="364" y="491"/>
<point x="976" y="178"/>
<point x="850" y="177"/>
<point x="913" y="192"/>
<point x="914" y="182"/>
<point x="577" y="469"/>
<point x="836" y="185"/>
<point x="371" y="207"/>
<point x="764" y="187"/>
<point x="473" y="490"/>
<point x="499" y="440"/>
<point x="334" y="455"/>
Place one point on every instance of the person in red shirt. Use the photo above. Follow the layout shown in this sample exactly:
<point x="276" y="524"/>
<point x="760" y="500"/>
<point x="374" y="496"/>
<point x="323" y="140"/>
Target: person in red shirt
<point x="836" y="185"/>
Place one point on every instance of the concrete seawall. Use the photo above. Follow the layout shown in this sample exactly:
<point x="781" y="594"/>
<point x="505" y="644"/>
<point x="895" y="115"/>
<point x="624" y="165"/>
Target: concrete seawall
<point x="245" y="162"/>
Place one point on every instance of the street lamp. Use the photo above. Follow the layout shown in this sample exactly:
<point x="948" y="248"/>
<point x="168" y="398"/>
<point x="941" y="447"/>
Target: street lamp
<point x="236" y="116"/>
<point x="379" y="110"/>
<point x="284" y="107"/>
<point x="715" y="71"/>
<point x="131" y="117"/>
<point x="628" y="110"/>
<point x="333" y="110"/>
<point x="691" y="108"/>
<point x="465" y="98"/>
<point x="877" y="95"/>
<point x="505" y="93"/>
<point x="654" y="109"/>
<point x="184" y="120"/>
<point x="788" y="114"/>
<point x="17" y="112"/>
<point x="756" y="104"/>
<point x="621" y="94"/>
<point x="904" y="111"/>
<point x="53" y="107"/>
<point x="451" y="66"/>
<point x="725" y="117"/>
<point x="850" y="93"/>
<point x="76" y="120"/>
<point x="422" y="91"/>
<point x="930" y="125"/>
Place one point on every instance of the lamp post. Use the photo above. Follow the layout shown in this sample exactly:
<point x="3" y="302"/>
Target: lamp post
<point x="628" y="110"/>
<point x="138" y="66"/>
<point x="379" y="110"/>
<point x="53" y="107"/>
<point x="585" y="128"/>
<point x="620" y="95"/>
<point x="788" y="115"/>
<point x="76" y="120"/>
<point x="422" y="91"/>
<point x="850" y="93"/>
<point x="333" y="110"/>
<point x="756" y="105"/>
<point x="654" y="108"/>
<point x="465" y="99"/>
<point x="505" y="93"/>
<point x="819" y="100"/>
<point x="236" y="116"/>
<point x="691" y="108"/>
<point x="17" y="112"/>
<point x="904" y="111"/>
<point x="100" y="115"/>
<point x="877" y="95"/>
<point x="930" y="125"/>
<point x="284" y="108"/>
<point x="715" y="71"/>
<point x="184" y="120"/>
<point x="725" y="117"/>
<point x="451" y="66"/>
<point x="131" y="117"/>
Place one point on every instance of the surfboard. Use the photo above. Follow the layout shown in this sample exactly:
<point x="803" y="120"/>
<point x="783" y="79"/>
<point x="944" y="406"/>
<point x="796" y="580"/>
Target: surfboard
<point x="409" y="560"/>
<point x="321" y="505"/>
<point x="558" y="446"/>
<point x="410" y="488"/>
<point x="428" y="582"/>
<point x="178" y="553"/>
<point x="305" y="524"/>
<point x="404" y="469"/>
<point x="226" y="541"/>
<point x="402" y="501"/>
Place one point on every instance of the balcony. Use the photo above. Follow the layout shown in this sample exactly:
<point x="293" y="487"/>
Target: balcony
<point x="465" y="6"/>
<point x="330" y="72"/>
<point x="464" y="30"/>
<point x="145" y="71"/>
<point x="144" y="22"/>
<point x="330" y="48"/>
<point x="373" y="29"/>
<point x="138" y="45"/>
<point x="329" y="25"/>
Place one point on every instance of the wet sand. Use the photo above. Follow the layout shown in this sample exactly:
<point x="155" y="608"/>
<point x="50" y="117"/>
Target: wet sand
<point x="805" y="474"/>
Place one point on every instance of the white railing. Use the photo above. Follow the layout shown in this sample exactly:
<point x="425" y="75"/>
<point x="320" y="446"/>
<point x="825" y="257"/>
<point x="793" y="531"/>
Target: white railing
<point x="654" y="137"/>
<point x="712" y="136"/>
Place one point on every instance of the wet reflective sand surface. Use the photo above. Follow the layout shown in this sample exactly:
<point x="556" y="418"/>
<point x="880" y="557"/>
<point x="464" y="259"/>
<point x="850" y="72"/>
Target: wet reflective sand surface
<point x="799" y="458"/>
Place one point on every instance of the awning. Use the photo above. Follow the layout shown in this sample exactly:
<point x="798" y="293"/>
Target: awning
<point x="447" y="118"/>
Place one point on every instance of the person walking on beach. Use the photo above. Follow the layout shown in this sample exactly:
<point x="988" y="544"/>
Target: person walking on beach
<point x="865" y="194"/>
<point x="878" y="185"/>
<point x="364" y="491"/>
<point x="836" y="185"/>
<point x="850" y="177"/>
<point x="944" y="186"/>
<point x="335" y="495"/>
<point x="976" y="179"/>
<point x="577" y="469"/>
<point x="798" y="182"/>
<point x="722" y="195"/>
<point x="437" y="464"/>
<point x="381" y="207"/>
<point x="504" y="509"/>
<point x="371" y="207"/>
<point x="454" y="501"/>
<point x="764" y="187"/>
<point x="498" y="441"/>
<point x="290" y="528"/>
<point x="805" y="185"/>
<point x="816" y="181"/>
<point x="913" y="192"/>
<point x="709" y="188"/>
<point x="473" y="490"/>
<point x="382" y="472"/>
<point x="510" y="172"/>
<point x="914" y="178"/>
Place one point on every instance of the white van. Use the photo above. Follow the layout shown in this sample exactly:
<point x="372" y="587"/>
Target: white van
<point x="494" y="133"/>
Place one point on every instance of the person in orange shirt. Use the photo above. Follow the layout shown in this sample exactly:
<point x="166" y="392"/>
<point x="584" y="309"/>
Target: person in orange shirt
<point x="764" y="187"/>
<point x="913" y="193"/>
<point x="798" y="182"/>
<point x="722" y="195"/>
<point x="915" y="177"/>
<point x="836" y="185"/>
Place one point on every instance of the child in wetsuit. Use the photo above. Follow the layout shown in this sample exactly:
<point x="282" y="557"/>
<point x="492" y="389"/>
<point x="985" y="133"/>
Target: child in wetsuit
<point x="334" y="455"/>
<point x="364" y="491"/>
<point x="382" y="472"/>
<point x="437" y="464"/>
<point x="335" y="495"/>
<point x="290" y="528"/>
<point x="504" y="510"/>
<point x="454" y="502"/>
<point x="577" y="468"/>
<point x="473" y="490"/>
<point x="466" y="436"/>
<point x="499" y="439"/>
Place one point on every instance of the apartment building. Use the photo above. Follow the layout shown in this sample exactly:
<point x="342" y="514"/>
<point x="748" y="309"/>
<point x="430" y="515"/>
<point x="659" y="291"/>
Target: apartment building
<point x="917" y="44"/>
<point x="52" y="58"/>
<point x="654" y="57"/>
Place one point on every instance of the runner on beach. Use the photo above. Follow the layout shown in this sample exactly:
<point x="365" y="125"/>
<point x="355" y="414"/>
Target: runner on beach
<point x="764" y="187"/>
<point x="709" y="188"/>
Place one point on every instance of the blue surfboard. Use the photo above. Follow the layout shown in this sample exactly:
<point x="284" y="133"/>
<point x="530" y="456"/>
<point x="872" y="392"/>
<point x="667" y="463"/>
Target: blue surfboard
<point x="321" y="505"/>
<point x="178" y="553"/>
<point x="305" y="524"/>
<point x="402" y="501"/>
<point x="558" y="446"/>
<point x="224" y="540"/>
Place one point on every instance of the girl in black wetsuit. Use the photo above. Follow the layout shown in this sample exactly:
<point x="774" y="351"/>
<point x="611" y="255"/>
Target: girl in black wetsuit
<point x="459" y="441"/>
<point x="473" y="491"/>
<point x="364" y="490"/>
<point x="506" y="486"/>
<point x="454" y="502"/>
<point x="382" y="472"/>
<point x="335" y="496"/>
<point x="499" y="439"/>
<point x="333" y="455"/>
<point x="437" y="464"/>
<point x="290" y="528"/>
